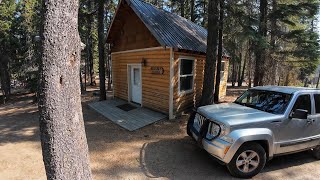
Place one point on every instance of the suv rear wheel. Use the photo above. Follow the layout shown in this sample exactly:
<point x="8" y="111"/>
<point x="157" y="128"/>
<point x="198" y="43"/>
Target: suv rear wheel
<point x="248" y="161"/>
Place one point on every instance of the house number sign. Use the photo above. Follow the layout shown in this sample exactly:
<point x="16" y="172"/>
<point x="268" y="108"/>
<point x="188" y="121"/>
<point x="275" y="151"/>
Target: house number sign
<point x="157" y="70"/>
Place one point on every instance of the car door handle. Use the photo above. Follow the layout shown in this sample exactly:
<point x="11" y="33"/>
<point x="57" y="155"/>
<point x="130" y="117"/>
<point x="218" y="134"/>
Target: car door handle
<point x="310" y="121"/>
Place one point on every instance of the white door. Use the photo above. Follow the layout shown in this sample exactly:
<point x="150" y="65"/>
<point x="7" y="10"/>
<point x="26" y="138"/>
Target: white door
<point x="135" y="84"/>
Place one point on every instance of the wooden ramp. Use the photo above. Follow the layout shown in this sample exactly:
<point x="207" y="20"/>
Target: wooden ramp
<point x="131" y="120"/>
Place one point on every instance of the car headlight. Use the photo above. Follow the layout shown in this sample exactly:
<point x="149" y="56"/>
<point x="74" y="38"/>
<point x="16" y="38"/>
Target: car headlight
<point x="213" y="130"/>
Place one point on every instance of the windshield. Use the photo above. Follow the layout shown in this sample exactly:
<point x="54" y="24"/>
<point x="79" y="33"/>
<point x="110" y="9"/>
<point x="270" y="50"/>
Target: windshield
<point x="268" y="101"/>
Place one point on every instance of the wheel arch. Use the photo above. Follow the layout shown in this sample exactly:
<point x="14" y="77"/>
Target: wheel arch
<point x="262" y="136"/>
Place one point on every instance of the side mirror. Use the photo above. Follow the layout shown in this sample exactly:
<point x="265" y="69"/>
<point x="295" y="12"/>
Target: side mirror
<point x="300" y="114"/>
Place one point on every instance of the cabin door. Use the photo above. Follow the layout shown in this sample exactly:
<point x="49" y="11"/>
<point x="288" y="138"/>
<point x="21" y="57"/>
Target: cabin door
<point x="135" y="84"/>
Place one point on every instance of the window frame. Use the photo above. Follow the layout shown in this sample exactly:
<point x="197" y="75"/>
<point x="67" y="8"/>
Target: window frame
<point x="315" y="104"/>
<point x="311" y="102"/>
<point x="188" y="58"/>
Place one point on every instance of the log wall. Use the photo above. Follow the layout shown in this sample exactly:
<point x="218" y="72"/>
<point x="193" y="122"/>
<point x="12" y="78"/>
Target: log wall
<point x="155" y="87"/>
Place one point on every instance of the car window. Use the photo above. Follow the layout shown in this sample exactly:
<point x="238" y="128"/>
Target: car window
<point x="303" y="102"/>
<point x="268" y="101"/>
<point x="317" y="102"/>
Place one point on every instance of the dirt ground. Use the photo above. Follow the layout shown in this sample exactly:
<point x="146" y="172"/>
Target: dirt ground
<point x="158" y="151"/>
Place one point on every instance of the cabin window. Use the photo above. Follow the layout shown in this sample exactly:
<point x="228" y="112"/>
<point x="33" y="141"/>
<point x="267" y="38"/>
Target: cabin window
<point x="186" y="75"/>
<point x="222" y="70"/>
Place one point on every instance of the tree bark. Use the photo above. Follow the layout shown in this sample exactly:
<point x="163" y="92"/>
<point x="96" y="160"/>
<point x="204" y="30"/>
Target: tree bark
<point x="5" y="77"/>
<point x="218" y="77"/>
<point x="192" y="15"/>
<point x="109" y="68"/>
<point x="182" y="8"/>
<point x="233" y="76"/>
<point x="260" y="51"/>
<point x="318" y="80"/>
<point x="211" y="56"/>
<point x="204" y="13"/>
<point x="62" y="132"/>
<point x="273" y="64"/>
<point x="102" y="69"/>
<point x="243" y="69"/>
<point x="90" y="20"/>
<point x="239" y="67"/>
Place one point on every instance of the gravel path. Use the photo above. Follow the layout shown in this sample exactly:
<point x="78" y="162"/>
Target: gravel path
<point x="158" y="151"/>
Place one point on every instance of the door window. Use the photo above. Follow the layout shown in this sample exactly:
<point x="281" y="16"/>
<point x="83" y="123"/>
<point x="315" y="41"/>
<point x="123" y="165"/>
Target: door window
<point x="303" y="102"/>
<point x="136" y="76"/>
<point x="317" y="103"/>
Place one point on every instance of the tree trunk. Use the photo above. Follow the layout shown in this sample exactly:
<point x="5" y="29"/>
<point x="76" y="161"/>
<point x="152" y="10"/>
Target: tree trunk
<point x="239" y="68"/>
<point x="109" y="68"/>
<point x="233" y="79"/>
<point x="218" y="77"/>
<point x="243" y="70"/>
<point x="63" y="138"/>
<point x="260" y="51"/>
<point x="318" y="80"/>
<point x="204" y="14"/>
<point x="192" y="15"/>
<point x="90" y="20"/>
<point x="5" y="77"/>
<point x="210" y="64"/>
<point x="102" y="70"/>
<point x="273" y="64"/>
<point x="182" y="8"/>
<point x="305" y="82"/>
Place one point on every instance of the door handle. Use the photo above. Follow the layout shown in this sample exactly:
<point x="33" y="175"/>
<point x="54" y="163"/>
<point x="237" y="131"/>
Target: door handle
<point x="310" y="121"/>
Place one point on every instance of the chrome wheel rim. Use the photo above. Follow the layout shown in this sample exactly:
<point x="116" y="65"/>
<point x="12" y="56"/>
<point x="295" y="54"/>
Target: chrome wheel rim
<point x="248" y="161"/>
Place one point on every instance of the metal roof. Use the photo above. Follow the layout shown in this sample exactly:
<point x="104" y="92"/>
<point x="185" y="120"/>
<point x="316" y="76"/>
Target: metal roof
<point x="170" y="29"/>
<point x="285" y="89"/>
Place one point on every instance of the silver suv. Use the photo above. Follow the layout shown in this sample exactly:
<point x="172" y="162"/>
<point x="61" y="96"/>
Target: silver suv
<point x="262" y="123"/>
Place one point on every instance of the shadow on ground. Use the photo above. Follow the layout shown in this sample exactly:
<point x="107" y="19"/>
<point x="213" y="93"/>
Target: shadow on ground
<point x="182" y="159"/>
<point x="160" y="150"/>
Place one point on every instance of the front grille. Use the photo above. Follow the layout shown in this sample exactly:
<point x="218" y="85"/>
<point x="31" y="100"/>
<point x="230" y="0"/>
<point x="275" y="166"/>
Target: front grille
<point x="199" y="120"/>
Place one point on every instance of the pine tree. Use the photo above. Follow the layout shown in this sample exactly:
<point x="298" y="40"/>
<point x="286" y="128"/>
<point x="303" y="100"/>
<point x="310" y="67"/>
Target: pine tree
<point x="210" y="63"/>
<point x="63" y="138"/>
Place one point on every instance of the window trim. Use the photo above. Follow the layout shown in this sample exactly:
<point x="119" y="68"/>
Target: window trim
<point x="314" y="100"/>
<point x="189" y="58"/>
<point x="311" y="102"/>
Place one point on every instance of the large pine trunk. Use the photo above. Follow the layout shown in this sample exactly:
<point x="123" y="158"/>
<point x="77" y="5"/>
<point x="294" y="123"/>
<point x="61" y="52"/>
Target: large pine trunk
<point x="102" y="69"/>
<point x="210" y="65"/>
<point x="260" y="51"/>
<point x="63" y="138"/>
<point x="218" y="78"/>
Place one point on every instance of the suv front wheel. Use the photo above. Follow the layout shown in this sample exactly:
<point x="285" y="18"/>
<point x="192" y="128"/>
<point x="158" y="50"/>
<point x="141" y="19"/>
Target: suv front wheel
<point x="248" y="161"/>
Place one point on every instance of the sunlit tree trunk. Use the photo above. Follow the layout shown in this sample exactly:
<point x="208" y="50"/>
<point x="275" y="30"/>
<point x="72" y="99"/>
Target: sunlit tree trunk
<point x="217" y="86"/>
<point x="62" y="132"/>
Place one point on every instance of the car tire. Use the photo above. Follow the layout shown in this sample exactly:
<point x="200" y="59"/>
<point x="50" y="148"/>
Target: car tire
<point x="251" y="158"/>
<point x="190" y="122"/>
<point x="316" y="152"/>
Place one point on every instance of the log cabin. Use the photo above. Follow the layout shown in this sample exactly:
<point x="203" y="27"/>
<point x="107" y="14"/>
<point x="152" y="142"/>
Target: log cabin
<point x="158" y="58"/>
